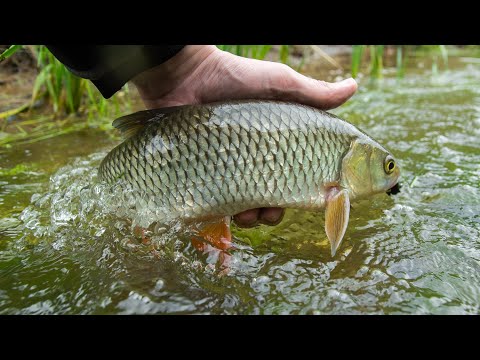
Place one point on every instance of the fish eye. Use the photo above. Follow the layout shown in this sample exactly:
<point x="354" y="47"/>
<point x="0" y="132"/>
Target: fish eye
<point x="389" y="164"/>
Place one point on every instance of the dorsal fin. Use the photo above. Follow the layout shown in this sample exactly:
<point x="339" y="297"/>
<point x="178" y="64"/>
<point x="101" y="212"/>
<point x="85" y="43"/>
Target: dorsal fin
<point x="130" y="124"/>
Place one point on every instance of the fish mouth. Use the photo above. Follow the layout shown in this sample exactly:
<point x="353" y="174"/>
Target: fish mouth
<point x="395" y="189"/>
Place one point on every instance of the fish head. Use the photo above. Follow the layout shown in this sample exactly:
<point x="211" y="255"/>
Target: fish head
<point x="368" y="168"/>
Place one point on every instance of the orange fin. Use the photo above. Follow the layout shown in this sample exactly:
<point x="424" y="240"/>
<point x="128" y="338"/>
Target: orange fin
<point x="336" y="216"/>
<point x="217" y="233"/>
<point x="215" y="238"/>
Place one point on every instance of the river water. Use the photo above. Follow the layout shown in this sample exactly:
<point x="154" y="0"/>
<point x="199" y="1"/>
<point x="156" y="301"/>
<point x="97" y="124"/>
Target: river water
<point x="68" y="247"/>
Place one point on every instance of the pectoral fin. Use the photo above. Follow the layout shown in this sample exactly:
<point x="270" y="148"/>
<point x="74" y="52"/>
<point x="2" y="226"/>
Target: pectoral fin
<point x="336" y="216"/>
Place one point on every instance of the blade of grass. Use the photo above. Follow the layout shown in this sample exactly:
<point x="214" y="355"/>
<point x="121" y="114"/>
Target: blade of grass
<point x="69" y="92"/>
<point x="40" y="81"/>
<point x="284" y="53"/>
<point x="357" y="52"/>
<point x="253" y="52"/>
<point x="38" y="121"/>
<point x="264" y="51"/>
<point x="19" y="128"/>
<point x="444" y="52"/>
<point x="9" y="52"/>
<point x="14" y="111"/>
<point x="376" y="60"/>
<point x="400" y="64"/>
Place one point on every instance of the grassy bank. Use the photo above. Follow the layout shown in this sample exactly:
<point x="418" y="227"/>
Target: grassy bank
<point x="61" y="102"/>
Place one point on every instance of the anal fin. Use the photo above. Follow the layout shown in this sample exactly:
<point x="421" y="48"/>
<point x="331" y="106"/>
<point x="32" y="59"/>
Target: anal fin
<point x="215" y="236"/>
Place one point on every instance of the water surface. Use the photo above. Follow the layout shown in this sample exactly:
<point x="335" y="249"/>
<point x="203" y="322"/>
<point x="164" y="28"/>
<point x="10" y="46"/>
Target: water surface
<point x="67" y="246"/>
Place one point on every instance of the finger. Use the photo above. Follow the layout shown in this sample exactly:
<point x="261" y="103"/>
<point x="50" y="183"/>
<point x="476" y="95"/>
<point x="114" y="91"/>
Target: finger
<point x="292" y="86"/>
<point x="271" y="216"/>
<point x="247" y="218"/>
<point x="229" y="77"/>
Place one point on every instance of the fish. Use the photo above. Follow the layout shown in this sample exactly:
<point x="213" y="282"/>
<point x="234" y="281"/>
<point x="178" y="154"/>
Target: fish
<point x="215" y="160"/>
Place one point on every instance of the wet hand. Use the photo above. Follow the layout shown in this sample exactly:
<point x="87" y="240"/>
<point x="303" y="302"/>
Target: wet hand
<point x="203" y="73"/>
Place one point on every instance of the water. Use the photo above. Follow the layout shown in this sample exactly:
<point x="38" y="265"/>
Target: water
<point x="68" y="246"/>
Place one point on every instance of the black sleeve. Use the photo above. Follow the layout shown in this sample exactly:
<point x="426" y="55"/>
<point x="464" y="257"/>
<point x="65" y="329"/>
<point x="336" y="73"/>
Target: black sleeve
<point x="110" y="67"/>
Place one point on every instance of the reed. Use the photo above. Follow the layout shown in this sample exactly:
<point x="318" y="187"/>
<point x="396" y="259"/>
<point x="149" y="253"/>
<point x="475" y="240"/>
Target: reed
<point x="400" y="62"/>
<point x="9" y="52"/>
<point x="376" y="53"/>
<point x="66" y="92"/>
<point x="73" y="99"/>
<point x="376" y="60"/>
<point x="64" y="89"/>
<point x="357" y="53"/>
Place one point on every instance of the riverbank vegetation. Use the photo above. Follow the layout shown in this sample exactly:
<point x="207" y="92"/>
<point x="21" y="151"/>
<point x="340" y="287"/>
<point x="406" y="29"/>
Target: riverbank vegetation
<point x="59" y="102"/>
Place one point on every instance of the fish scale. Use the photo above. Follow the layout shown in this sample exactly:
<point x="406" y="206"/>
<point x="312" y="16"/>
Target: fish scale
<point x="220" y="159"/>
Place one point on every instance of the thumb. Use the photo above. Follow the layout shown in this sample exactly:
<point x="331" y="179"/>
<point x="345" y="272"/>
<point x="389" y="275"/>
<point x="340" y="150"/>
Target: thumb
<point x="235" y="77"/>
<point x="321" y="94"/>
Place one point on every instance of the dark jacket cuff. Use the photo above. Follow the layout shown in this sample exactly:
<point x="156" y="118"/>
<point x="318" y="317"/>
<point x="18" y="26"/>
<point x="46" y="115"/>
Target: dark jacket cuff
<point x="110" y="67"/>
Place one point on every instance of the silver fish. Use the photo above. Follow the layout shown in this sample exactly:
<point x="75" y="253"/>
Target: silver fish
<point x="215" y="160"/>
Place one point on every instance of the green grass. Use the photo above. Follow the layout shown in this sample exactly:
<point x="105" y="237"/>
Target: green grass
<point x="376" y="60"/>
<point x="357" y="53"/>
<point x="72" y="99"/>
<point x="68" y="94"/>
<point x="375" y="56"/>
<point x="40" y="128"/>
<point x="400" y="62"/>
<point x="9" y="52"/>
<point x="64" y="89"/>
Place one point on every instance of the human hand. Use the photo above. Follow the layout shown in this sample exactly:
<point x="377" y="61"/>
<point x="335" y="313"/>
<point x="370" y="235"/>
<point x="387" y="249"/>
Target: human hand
<point x="202" y="73"/>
